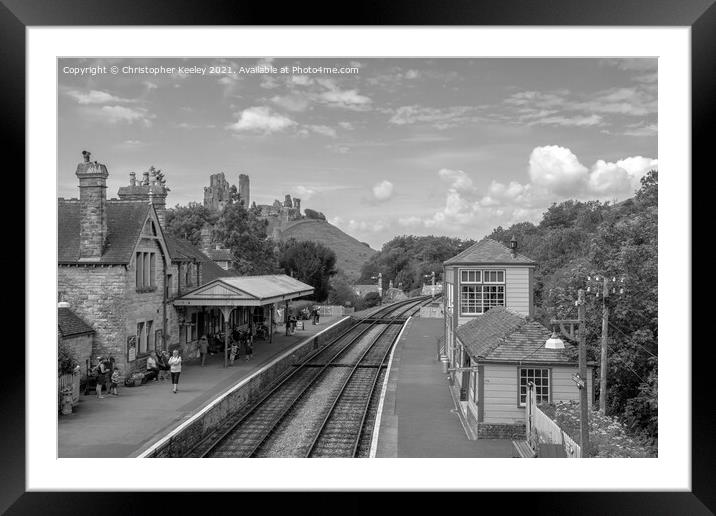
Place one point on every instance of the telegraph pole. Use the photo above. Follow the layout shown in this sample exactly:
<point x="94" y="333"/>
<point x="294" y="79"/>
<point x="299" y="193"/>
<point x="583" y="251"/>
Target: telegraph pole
<point x="604" y="289"/>
<point x="583" y="398"/>
<point x="605" y="339"/>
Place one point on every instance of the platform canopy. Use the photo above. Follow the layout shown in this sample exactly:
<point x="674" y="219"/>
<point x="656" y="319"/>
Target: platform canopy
<point x="245" y="291"/>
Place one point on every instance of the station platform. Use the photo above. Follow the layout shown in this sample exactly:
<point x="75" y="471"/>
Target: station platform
<point x="419" y="418"/>
<point x="124" y="425"/>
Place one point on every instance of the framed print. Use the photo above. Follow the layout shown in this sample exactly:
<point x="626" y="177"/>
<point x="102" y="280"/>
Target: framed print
<point x="458" y="213"/>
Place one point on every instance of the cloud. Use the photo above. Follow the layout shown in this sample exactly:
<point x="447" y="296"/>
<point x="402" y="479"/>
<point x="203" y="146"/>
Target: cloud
<point x="555" y="174"/>
<point x="441" y="118"/>
<point x="557" y="169"/>
<point x="292" y="102"/>
<point x="641" y="130"/>
<point x="123" y="114"/>
<point x="305" y="193"/>
<point x="95" y="97"/>
<point x="383" y="191"/>
<point x="323" y="129"/>
<point x="334" y="96"/>
<point x="574" y="121"/>
<point x="261" y="119"/>
<point x="459" y="181"/>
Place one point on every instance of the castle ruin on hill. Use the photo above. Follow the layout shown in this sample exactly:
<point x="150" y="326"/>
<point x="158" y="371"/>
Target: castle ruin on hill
<point x="220" y="192"/>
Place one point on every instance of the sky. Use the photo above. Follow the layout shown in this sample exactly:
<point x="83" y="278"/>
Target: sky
<point x="382" y="147"/>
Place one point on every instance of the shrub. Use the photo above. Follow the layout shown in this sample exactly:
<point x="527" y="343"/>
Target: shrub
<point x="66" y="358"/>
<point x="608" y="437"/>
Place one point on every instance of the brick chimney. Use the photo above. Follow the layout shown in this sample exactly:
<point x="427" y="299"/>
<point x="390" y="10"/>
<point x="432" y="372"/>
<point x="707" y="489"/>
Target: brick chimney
<point x="93" y="208"/>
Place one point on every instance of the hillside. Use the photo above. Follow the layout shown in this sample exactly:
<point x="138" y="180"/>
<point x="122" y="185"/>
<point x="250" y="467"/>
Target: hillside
<point x="350" y="253"/>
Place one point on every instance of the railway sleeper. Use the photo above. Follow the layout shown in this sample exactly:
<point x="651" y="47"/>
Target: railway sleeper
<point x="361" y="366"/>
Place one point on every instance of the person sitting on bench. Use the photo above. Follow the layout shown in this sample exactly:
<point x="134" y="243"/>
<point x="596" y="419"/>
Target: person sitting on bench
<point x="152" y="368"/>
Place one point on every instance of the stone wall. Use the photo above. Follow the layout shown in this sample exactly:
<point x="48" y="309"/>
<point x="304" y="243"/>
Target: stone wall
<point x="236" y="402"/>
<point x="81" y="346"/>
<point x="501" y="431"/>
<point x="97" y="295"/>
<point x="106" y="297"/>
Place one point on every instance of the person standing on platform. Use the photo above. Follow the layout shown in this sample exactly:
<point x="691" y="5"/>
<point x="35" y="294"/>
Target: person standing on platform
<point x="101" y="376"/>
<point x="175" y="369"/>
<point x="249" y="346"/>
<point x="114" y="382"/>
<point x="203" y="348"/>
<point x="318" y="314"/>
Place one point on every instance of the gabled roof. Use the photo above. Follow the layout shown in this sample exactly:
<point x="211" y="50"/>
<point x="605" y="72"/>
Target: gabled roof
<point x="220" y="255"/>
<point x="125" y="220"/>
<point x="181" y="250"/>
<point x="245" y="291"/>
<point x="68" y="323"/>
<point x="211" y="271"/>
<point x="489" y="251"/>
<point x="505" y="336"/>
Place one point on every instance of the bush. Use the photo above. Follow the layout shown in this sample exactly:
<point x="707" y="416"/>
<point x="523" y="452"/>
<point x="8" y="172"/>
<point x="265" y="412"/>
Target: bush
<point x="370" y="300"/>
<point x="607" y="436"/>
<point x="66" y="358"/>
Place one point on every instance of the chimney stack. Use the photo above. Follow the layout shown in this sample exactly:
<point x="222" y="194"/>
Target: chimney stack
<point x="513" y="246"/>
<point x="93" y="208"/>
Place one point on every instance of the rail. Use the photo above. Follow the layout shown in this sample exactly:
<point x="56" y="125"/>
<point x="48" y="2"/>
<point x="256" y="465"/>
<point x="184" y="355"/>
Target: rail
<point x="276" y="420"/>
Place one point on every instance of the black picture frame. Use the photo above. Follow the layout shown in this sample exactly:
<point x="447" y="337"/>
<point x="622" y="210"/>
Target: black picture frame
<point x="700" y="15"/>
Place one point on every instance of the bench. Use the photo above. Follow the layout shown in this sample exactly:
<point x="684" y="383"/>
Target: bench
<point x="523" y="450"/>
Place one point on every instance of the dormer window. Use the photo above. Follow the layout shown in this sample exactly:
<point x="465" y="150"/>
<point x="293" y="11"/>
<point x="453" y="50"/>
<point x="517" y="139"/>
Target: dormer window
<point x="480" y="290"/>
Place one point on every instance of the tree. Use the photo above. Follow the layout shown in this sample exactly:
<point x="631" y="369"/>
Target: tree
<point x="310" y="262"/>
<point x="576" y="239"/>
<point x="313" y="214"/>
<point x="340" y="291"/>
<point x="244" y="234"/>
<point x="407" y="258"/>
<point x="370" y="300"/>
<point x="186" y="221"/>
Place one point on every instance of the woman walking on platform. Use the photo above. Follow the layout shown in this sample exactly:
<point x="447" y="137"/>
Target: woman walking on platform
<point x="175" y="368"/>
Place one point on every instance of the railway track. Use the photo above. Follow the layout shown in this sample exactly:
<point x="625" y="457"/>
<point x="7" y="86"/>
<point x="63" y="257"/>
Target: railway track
<point x="364" y="346"/>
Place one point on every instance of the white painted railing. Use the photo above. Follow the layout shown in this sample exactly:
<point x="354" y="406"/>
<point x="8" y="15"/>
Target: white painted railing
<point x="546" y="429"/>
<point x="69" y="380"/>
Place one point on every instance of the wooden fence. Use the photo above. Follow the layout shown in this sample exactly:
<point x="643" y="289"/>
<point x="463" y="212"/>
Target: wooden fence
<point x="69" y="380"/>
<point x="543" y="429"/>
<point x="335" y="310"/>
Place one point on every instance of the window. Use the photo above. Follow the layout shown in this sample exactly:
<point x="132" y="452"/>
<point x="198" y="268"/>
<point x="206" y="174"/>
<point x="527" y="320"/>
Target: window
<point x="540" y="377"/>
<point x="193" y="326"/>
<point x="139" y="265"/>
<point x="150" y="335"/>
<point x="169" y="285"/>
<point x="146" y="271"/>
<point x="471" y="276"/>
<point x="152" y="269"/>
<point x="473" y="385"/>
<point x="141" y="341"/>
<point x="481" y="290"/>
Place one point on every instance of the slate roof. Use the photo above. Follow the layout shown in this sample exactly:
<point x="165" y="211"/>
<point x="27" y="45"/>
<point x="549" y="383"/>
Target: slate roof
<point x="220" y="255"/>
<point x="505" y="336"/>
<point x="69" y="324"/>
<point x="125" y="221"/>
<point x="489" y="251"/>
<point x="210" y="271"/>
<point x="182" y="250"/>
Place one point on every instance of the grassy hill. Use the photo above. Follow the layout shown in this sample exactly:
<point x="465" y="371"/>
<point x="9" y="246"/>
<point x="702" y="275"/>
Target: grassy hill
<point x="350" y="253"/>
